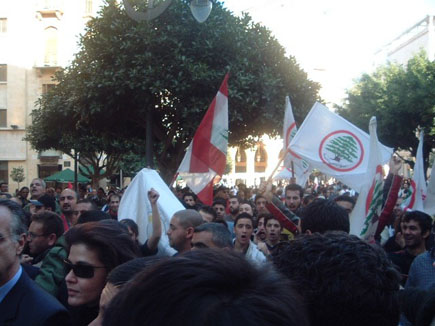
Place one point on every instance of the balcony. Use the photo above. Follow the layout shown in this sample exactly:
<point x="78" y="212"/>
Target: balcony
<point x="49" y="9"/>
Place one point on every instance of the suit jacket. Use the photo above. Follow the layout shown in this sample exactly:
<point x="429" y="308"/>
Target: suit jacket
<point x="27" y="304"/>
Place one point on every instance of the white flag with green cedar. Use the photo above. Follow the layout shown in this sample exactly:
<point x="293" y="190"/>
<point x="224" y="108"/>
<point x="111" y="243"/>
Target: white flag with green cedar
<point x="334" y="146"/>
<point x="365" y="216"/>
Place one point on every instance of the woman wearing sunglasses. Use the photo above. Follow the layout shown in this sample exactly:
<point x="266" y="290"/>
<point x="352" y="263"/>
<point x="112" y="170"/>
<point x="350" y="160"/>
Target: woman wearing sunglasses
<point x="95" y="248"/>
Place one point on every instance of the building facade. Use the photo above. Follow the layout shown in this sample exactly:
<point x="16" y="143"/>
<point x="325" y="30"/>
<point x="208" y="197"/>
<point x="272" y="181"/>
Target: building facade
<point x="37" y="37"/>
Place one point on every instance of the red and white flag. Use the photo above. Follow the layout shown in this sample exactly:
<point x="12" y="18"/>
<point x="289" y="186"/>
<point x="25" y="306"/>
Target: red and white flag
<point x="365" y="215"/>
<point x="206" y="155"/>
<point x="418" y="183"/>
<point x="302" y="169"/>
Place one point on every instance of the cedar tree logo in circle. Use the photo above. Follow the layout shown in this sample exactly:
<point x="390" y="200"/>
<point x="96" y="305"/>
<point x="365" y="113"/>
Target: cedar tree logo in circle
<point x="290" y="134"/>
<point x="341" y="150"/>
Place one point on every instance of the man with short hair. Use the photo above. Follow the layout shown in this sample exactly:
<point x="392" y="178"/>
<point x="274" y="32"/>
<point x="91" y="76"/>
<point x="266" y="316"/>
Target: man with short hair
<point x="345" y="201"/>
<point x="243" y="228"/>
<point x="273" y="233"/>
<point x="219" y="207"/>
<point x="260" y="205"/>
<point x="83" y="205"/>
<point x="208" y="214"/>
<point x="344" y="280"/>
<point x="114" y="200"/>
<point x="324" y="215"/>
<point x="4" y="190"/>
<point x="22" y="302"/>
<point x="181" y="229"/>
<point x="245" y="207"/>
<point x="293" y="197"/>
<point x="189" y="200"/>
<point x="67" y="201"/>
<point x="44" y="203"/>
<point x="44" y="230"/>
<point x="211" y="235"/>
<point x="416" y="228"/>
<point x="234" y="208"/>
<point x="37" y="188"/>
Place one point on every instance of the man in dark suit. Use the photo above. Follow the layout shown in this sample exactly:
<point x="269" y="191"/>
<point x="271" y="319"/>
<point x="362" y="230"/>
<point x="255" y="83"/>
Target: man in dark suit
<point x="22" y="302"/>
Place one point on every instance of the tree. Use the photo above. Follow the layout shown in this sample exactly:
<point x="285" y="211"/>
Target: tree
<point x="403" y="100"/>
<point x="17" y="175"/>
<point x="170" y="69"/>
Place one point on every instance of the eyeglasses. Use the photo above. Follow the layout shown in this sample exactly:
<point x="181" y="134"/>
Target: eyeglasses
<point x="32" y="235"/>
<point x="80" y="270"/>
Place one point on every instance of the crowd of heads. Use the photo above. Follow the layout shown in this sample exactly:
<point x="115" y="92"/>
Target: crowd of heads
<point x="235" y="262"/>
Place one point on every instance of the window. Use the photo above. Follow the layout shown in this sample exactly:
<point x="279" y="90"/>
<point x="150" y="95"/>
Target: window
<point x="260" y="158"/>
<point x="3" y="73"/>
<point x="50" y="46"/>
<point x="67" y="164"/>
<point x="240" y="165"/>
<point x="47" y="170"/>
<point x="3" y="119"/>
<point x="46" y="88"/>
<point x="3" y="25"/>
<point x="4" y="171"/>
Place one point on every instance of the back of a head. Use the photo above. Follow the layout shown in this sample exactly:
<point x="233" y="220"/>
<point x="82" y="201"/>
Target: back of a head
<point x="206" y="287"/>
<point x="124" y="273"/>
<point x="109" y="238"/>
<point x="189" y="218"/>
<point x="345" y="281"/>
<point x="324" y="215"/>
<point x="92" y="216"/>
<point x="221" y="237"/>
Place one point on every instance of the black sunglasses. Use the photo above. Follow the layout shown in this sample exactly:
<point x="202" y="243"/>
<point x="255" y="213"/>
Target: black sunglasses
<point x="80" y="270"/>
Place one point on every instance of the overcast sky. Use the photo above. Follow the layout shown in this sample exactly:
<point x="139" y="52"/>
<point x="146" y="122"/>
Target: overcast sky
<point x="334" y="40"/>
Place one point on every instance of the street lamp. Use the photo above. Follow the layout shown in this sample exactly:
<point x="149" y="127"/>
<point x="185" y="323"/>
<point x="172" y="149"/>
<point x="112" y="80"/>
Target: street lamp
<point x="200" y="10"/>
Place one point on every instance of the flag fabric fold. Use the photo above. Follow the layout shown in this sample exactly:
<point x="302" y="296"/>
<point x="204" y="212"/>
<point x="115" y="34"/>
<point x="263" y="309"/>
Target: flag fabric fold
<point x="418" y="183"/>
<point x="206" y="155"/>
<point x="334" y="146"/>
<point x="365" y="215"/>
<point x="429" y="202"/>
<point x="136" y="206"/>
<point x="301" y="169"/>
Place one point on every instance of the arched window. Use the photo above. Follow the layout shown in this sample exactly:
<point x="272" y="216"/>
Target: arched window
<point x="240" y="160"/>
<point x="260" y="158"/>
<point x="50" y="58"/>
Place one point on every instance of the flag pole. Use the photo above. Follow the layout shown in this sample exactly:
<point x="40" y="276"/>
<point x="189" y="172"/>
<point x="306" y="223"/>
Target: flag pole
<point x="276" y="168"/>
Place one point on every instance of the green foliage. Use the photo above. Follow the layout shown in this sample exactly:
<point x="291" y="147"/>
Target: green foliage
<point x="172" y="66"/>
<point x="402" y="98"/>
<point x="17" y="174"/>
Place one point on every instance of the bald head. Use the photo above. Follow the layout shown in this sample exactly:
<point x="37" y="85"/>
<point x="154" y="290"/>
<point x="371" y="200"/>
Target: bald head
<point x="189" y="218"/>
<point x="67" y="201"/>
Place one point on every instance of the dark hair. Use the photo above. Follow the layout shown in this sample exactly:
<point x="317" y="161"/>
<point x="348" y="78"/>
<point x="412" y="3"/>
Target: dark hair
<point x="258" y="197"/>
<point x="324" y="215"/>
<point x="294" y="187"/>
<point x="268" y="217"/>
<point x="123" y="273"/>
<point x="48" y="202"/>
<point x="347" y="198"/>
<point x="189" y="194"/>
<point x="307" y="199"/>
<point x="51" y="223"/>
<point x="93" y="216"/>
<point x="129" y="223"/>
<point x="243" y="215"/>
<point x="209" y="210"/>
<point x="221" y="237"/>
<point x="345" y="281"/>
<point x="113" y="244"/>
<point x="423" y="220"/>
<point x="234" y="196"/>
<point x="206" y="287"/>
<point x="18" y="225"/>
<point x="219" y="201"/>
<point x="114" y="195"/>
<point x="88" y="201"/>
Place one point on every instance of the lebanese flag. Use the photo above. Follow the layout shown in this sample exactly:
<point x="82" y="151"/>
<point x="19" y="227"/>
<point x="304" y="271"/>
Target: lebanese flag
<point x="302" y="169"/>
<point x="206" y="155"/>
<point x="365" y="215"/>
<point x="418" y="183"/>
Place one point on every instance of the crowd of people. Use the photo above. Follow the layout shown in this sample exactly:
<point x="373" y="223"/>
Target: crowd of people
<point x="276" y="255"/>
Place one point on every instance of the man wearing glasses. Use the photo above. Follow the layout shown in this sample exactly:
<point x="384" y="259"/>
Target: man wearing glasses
<point x="20" y="297"/>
